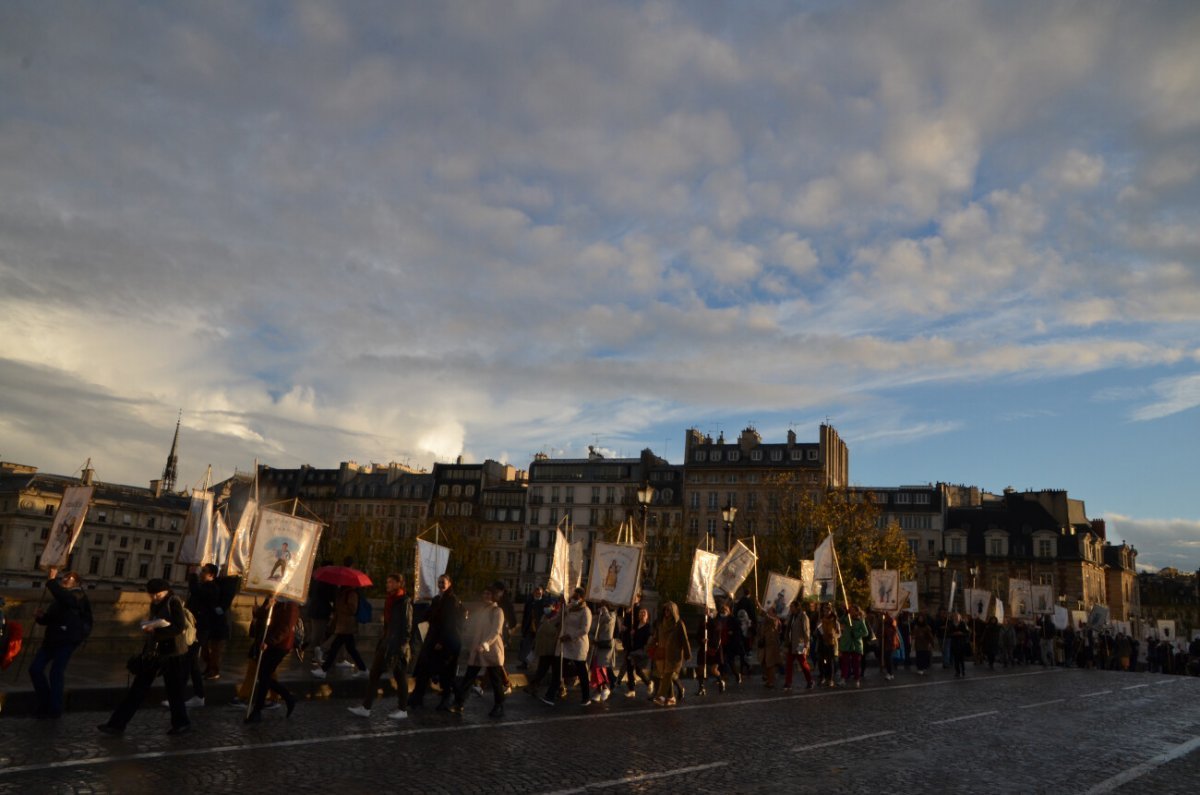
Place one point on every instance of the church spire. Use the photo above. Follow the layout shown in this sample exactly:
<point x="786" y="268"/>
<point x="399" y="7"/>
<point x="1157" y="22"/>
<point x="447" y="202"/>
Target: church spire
<point x="170" y="471"/>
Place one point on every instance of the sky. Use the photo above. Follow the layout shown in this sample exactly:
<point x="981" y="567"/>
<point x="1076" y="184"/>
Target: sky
<point x="966" y="234"/>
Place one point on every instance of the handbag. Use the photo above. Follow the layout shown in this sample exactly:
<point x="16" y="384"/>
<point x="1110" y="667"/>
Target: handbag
<point x="146" y="661"/>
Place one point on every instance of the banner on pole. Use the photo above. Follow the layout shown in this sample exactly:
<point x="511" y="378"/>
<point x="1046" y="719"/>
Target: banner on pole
<point x="807" y="580"/>
<point x="574" y="565"/>
<point x="65" y="527"/>
<point x="908" y="596"/>
<point x="977" y="602"/>
<point x="953" y="590"/>
<point x="1043" y="599"/>
<point x="780" y="592"/>
<point x="430" y="560"/>
<point x="221" y="540"/>
<point x="240" y="539"/>
<point x="734" y="567"/>
<point x="823" y="567"/>
<point x="1166" y="629"/>
<point x="1098" y="617"/>
<point x="885" y="590"/>
<point x="700" y="584"/>
<point x="196" y="542"/>
<point x="998" y="610"/>
<point x="281" y="555"/>
<point x="560" y="565"/>
<point x="1020" y="598"/>
<point x="1062" y="619"/>
<point x="614" y="574"/>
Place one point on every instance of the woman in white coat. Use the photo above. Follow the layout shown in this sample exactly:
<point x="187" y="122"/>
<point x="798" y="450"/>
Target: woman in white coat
<point x="485" y="651"/>
<point x="573" y="648"/>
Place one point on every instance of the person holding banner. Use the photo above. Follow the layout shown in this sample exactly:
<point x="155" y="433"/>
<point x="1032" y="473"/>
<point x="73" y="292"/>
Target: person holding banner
<point x="279" y="640"/>
<point x="68" y="622"/>
<point x="572" y="649"/>
<point x="671" y="650"/>
<point x="770" y="652"/>
<point x="545" y="642"/>
<point x="637" y="660"/>
<point x="710" y="657"/>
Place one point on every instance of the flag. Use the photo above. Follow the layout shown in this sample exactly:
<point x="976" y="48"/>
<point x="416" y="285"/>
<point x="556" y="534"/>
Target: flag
<point x="734" y="568"/>
<point x="700" y="584"/>
<point x="574" y="565"/>
<point x="1062" y="619"/>
<point x="953" y="589"/>
<point x="1043" y="598"/>
<point x="1020" y="598"/>
<point x="823" y="566"/>
<point x="196" y="543"/>
<point x="560" y="565"/>
<point x="431" y="560"/>
<point x="65" y="527"/>
<point x="614" y="573"/>
<point x="885" y="590"/>
<point x="908" y="596"/>
<point x="221" y="540"/>
<point x="282" y="555"/>
<point x="1098" y="617"/>
<point x="239" y="543"/>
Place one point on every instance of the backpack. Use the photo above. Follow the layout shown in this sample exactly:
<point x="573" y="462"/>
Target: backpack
<point x="189" y="626"/>
<point x="363" y="614"/>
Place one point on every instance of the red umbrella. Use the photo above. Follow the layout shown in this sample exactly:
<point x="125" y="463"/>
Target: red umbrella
<point x="342" y="575"/>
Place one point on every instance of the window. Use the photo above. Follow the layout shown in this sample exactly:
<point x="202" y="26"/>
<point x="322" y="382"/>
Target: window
<point x="147" y="544"/>
<point x="469" y="490"/>
<point x="127" y="519"/>
<point x="712" y="526"/>
<point x="996" y="547"/>
<point x="119" y="568"/>
<point x="144" y="570"/>
<point x="914" y="546"/>
<point x="166" y="571"/>
<point x="776" y="455"/>
<point x="921" y="498"/>
<point x="50" y="509"/>
<point x="712" y="500"/>
<point x="99" y="539"/>
<point x="735" y="455"/>
<point x="797" y="455"/>
<point x="102" y="517"/>
<point x="715" y="455"/>
<point x="812" y="455"/>
<point x="694" y="500"/>
<point x="694" y="525"/>
<point x="932" y="546"/>
<point x="1044" y="548"/>
<point x="569" y="495"/>
<point x="756" y="455"/>
<point x="443" y="490"/>
<point x="150" y="522"/>
<point x="595" y="495"/>
<point x="699" y="456"/>
<point x="45" y="533"/>
<point x="124" y="541"/>
<point x="94" y="564"/>
<point x="956" y="546"/>
<point x="554" y="494"/>
<point x="903" y="498"/>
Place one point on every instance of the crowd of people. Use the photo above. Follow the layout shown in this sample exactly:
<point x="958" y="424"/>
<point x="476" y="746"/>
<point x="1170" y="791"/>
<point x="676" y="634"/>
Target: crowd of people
<point x="561" y="644"/>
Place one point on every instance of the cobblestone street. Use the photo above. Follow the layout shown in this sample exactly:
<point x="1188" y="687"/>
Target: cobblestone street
<point x="1027" y="730"/>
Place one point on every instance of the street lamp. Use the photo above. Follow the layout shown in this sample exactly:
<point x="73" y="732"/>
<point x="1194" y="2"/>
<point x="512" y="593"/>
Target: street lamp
<point x="645" y="495"/>
<point x="941" y="562"/>
<point x="728" y="514"/>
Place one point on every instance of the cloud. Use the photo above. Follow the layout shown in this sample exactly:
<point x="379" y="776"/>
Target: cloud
<point x="1160" y="542"/>
<point x="1174" y="396"/>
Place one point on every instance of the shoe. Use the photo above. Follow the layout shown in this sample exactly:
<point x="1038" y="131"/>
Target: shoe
<point x="889" y="677"/>
<point x="605" y="693"/>
<point x="547" y="700"/>
<point x="319" y="673"/>
<point x="360" y="674"/>
<point x="858" y="683"/>
<point x="346" y="664"/>
<point x="398" y="715"/>
<point x="596" y="698"/>
<point x="211" y="677"/>
<point x="166" y="704"/>
<point x="497" y="712"/>
<point x="455" y="708"/>
<point x="272" y="705"/>
<point x="809" y="686"/>
<point x="477" y="690"/>
<point x="194" y="701"/>
<point x="701" y="691"/>
<point x="720" y="685"/>
<point x="630" y="694"/>
<point x="108" y="728"/>
<point x="787" y="688"/>
<point x="670" y="702"/>
<point x="508" y="690"/>
<point x="360" y="711"/>
<point x="184" y="729"/>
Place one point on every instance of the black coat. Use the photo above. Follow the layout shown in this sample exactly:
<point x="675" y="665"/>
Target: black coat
<point x="68" y="619"/>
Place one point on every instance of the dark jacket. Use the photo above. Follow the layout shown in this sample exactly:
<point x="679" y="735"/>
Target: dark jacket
<point x="169" y="639"/>
<point x="320" y="600"/>
<point x="445" y="624"/>
<point x="68" y="619"/>
<point x="204" y="600"/>
<point x="281" y="632"/>
<point x="397" y="625"/>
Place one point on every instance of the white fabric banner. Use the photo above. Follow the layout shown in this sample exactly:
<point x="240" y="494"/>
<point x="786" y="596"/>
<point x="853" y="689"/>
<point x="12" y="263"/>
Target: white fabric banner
<point x="1098" y="617"/>
<point x="885" y="589"/>
<point x="614" y="573"/>
<point x="196" y="542"/>
<point x="998" y="610"/>
<point x="65" y="527"/>
<point x="1043" y="599"/>
<point x="780" y="592"/>
<point x="1166" y="629"/>
<point x="823" y="568"/>
<point x="221" y="539"/>
<point x="239" y="543"/>
<point x="574" y="565"/>
<point x="430" y="561"/>
<point x="1020" y="598"/>
<point x="1062" y="618"/>
<point x="908" y="596"/>
<point x="282" y="555"/>
<point x="734" y="568"/>
<point x="977" y="602"/>
<point x="560" y="565"/>
<point x="700" y="584"/>
<point x="807" y="578"/>
<point x="953" y="591"/>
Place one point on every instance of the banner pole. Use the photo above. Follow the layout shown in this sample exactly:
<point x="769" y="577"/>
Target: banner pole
<point x="838" y="565"/>
<point x="754" y="543"/>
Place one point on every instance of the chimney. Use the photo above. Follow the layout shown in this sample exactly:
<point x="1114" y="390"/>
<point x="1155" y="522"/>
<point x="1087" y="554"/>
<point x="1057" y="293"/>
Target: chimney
<point x="156" y="488"/>
<point x="87" y="476"/>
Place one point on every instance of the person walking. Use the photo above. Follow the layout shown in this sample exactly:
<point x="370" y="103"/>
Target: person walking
<point x="391" y="652"/>
<point x="798" y="637"/>
<point x="531" y="618"/>
<point x="68" y="622"/>
<point x="671" y="649"/>
<point x="710" y="658"/>
<point x="345" y="625"/>
<point x="279" y="640"/>
<point x="441" y="647"/>
<point x="318" y="611"/>
<point x="545" y="643"/>
<point x="204" y="600"/>
<point x="603" y="654"/>
<point x="991" y="641"/>
<point x="850" y="645"/>
<point x="165" y="652"/>
<point x="889" y="644"/>
<point x="829" y="634"/>
<point x="485" y="651"/>
<point x="637" y="660"/>
<point x="959" y="634"/>
<point x="923" y="640"/>
<point x="572" y="649"/>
